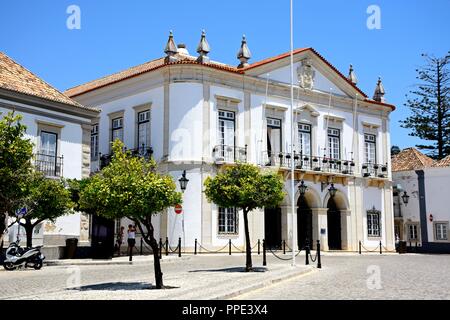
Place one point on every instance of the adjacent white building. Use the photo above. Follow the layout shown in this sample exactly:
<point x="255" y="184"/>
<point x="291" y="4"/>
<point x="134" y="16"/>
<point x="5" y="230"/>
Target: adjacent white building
<point x="424" y="218"/>
<point x="191" y="113"/>
<point x="60" y="129"/>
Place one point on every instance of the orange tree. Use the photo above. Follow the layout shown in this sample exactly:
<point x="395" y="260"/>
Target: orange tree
<point x="130" y="187"/>
<point x="247" y="188"/>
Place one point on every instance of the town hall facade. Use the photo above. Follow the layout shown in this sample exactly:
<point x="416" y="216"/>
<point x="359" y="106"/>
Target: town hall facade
<point x="196" y="115"/>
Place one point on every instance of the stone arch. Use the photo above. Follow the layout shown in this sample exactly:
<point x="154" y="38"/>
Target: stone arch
<point x="340" y="199"/>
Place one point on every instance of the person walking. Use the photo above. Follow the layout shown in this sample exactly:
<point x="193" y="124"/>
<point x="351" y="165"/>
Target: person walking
<point x="119" y="239"/>
<point x="131" y="240"/>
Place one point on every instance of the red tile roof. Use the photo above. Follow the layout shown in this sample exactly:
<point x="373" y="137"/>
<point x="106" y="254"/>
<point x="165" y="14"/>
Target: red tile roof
<point x="410" y="159"/>
<point x="14" y="77"/>
<point x="443" y="162"/>
<point x="158" y="63"/>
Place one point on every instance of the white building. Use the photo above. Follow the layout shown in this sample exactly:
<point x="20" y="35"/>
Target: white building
<point x="425" y="218"/>
<point x="60" y="129"/>
<point x="199" y="115"/>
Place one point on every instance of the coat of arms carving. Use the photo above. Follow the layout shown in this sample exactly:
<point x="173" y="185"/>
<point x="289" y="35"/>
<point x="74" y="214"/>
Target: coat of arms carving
<point x="306" y="74"/>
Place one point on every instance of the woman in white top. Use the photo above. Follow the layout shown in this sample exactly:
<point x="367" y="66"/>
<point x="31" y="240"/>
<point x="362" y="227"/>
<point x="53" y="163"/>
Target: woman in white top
<point x="131" y="238"/>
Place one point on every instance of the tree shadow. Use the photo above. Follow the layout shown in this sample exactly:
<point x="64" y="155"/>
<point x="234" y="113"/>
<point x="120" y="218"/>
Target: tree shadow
<point x="233" y="269"/>
<point x="115" y="286"/>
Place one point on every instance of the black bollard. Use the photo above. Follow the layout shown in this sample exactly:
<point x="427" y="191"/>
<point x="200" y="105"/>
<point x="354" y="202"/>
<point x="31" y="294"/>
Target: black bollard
<point x="131" y="254"/>
<point x="167" y="246"/>
<point x="319" y="263"/>
<point x="179" y="247"/>
<point x="229" y="247"/>
<point x="359" y="246"/>
<point x="416" y="246"/>
<point x="264" y="253"/>
<point x="307" y="254"/>
<point x="284" y="246"/>
<point x="160" y="248"/>
<point x="142" y="242"/>
<point x="258" y="247"/>
<point x="381" y="248"/>
<point x="195" y="249"/>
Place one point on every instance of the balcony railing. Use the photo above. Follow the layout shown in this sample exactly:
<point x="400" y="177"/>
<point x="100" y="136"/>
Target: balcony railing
<point x="374" y="170"/>
<point x="50" y="166"/>
<point x="231" y="154"/>
<point x="311" y="163"/>
<point x="145" y="152"/>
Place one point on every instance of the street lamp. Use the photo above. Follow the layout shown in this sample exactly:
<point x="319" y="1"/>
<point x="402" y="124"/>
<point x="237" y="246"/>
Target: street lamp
<point x="405" y="198"/>
<point x="332" y="190"/>
<point x="302" y="188"/>
<point x="183" y="181"/>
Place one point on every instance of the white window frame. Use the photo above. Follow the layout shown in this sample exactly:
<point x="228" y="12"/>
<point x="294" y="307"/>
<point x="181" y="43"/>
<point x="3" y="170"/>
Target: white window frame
<point x="304" y="134"/>
<point x="408" y="233"/>
<point x="373" y="223"/>
<point x="117" y="126"/>
<point x="441" y="235"/>
<point x="370" y="142"/>
<point x="334" y="138"/>
<point x="228" y="221"/>
<point x="143" y="119"/>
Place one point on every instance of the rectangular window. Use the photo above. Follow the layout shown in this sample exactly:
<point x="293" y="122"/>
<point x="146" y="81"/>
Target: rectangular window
<point x="370" y="148"/>
<point x="412" y="231"/>
<point x="226" y="134"/>
<point x="304" y="139"/>
<point x="274" y="142"/>
<point x="143" y="141"/>
<point x="373" y="223"/>
<point x="334" y="143"/>
<point x="441" y="231"/>
<point x="94" y="142"/>
<point x="228" y="221"/>
<point x="117" y="129"/>
<point x="47" y="157"/>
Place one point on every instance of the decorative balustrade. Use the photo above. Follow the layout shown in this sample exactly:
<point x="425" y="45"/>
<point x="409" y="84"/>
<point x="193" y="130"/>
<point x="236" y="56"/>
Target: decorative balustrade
<point x="374" y="170"/>
<point x="50" y="166"/>
<point x="310" y="163"/>
<point x="230" y="154"/>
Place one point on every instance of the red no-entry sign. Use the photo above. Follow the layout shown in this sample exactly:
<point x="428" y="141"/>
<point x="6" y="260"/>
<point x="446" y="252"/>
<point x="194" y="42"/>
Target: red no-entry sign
<point x="178" y="209"/>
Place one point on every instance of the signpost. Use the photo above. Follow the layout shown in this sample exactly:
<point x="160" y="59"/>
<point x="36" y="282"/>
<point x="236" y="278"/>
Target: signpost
<point x="20" y="213"/>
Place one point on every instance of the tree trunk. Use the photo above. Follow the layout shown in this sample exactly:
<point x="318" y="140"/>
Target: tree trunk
<point x="29" y="231"/>
<point x="248" y="248"/>
<point x="151" y="241"/>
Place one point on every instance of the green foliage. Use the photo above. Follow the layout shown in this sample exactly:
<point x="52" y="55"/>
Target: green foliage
<point x="16" y="153"/>
<point x="129" y="187"/>
<point x="47" y="199"/>
<point x="245" y="186"/>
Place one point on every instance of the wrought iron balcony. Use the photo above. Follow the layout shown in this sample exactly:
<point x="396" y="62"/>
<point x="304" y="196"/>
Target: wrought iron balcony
<point x="229" y="154"/>
<point x="143" y="151"/>
<point x="374" y="170"/>
<point x="309" y="163"/>
<point x="50" y="166"/>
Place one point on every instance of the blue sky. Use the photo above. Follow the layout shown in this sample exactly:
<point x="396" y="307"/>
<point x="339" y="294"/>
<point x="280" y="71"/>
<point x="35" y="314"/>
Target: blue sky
<point x="118" y="34"/>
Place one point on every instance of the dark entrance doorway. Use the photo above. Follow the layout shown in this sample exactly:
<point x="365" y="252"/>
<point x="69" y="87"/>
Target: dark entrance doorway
<point x="334" y="226"/>
<point x="272" y="228"/>
<point x="102" y="238"/>
<point x="304" y="223"/>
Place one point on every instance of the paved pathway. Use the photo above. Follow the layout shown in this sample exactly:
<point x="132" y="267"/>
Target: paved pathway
<point x="192" y="277"/>
<point x="388" y="277"/>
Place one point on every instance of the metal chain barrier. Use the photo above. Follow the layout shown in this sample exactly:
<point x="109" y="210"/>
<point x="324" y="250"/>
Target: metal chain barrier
<point x="313" y="259"/>
<point x="285" y="259"/>
<point x="386" y="250"/>
<point x="212" y="251"/>
<point x="239" y="250"/>
<point x="367" y="250"/>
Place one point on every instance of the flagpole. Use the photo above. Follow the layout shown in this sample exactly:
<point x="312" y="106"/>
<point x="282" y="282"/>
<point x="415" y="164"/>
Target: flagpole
<point x="292" y="137"/>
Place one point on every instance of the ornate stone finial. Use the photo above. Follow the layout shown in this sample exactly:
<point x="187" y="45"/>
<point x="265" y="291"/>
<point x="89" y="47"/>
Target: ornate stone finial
<point x="352" y="76"/>
<point x="203" y="49"/>
<point x="306" y="74"/>
<point x="171" y="49"/>
<point x="244" y="53"/>
<point x="379" y="92"/>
